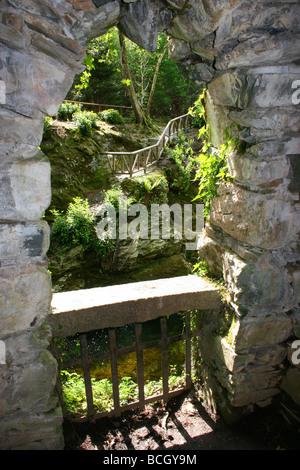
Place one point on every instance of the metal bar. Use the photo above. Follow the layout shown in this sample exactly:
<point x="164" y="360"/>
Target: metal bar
<point x="114" y="369"/>
<point x="129" y="349"/>
<point x="188" y="351"/>
<point x="164" y="357"/>
<point x="130" y="406"/>
<point x="87" y="376"/>
<point x="139" y="346"/>
<point x="140" y="364"/>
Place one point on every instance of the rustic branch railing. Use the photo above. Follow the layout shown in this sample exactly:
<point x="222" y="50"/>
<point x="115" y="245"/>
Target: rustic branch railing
<point x="100" y="105"/>
<point x="131" y="162"/>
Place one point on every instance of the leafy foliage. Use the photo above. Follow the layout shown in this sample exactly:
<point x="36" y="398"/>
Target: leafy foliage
<point x="112" y="116"/>
<point x="67" y="109"/>
<point x="117" y="198"/>
<point x="148" y="189"/>
<point x="77" y="227"/>
<point x="101" y="82"/>
<point x="198" y="112"/>
<point x="213" y="168"/>
<point x="75" y="398"/>
<point x="185" y="163"/>
<point x="85" y="121"/>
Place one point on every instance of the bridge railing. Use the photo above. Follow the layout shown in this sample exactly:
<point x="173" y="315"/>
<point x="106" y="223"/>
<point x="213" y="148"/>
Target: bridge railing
<point x="131" y="162"/>
<point x="108" y="308"/>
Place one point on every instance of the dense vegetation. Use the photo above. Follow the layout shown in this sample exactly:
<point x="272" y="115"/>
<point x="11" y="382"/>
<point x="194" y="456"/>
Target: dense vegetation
<point x="103" y="81"/>
<point x="162" y="92"/>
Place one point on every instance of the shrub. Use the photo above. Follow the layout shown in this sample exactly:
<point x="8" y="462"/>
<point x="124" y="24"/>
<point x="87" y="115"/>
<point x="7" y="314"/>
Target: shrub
<point x="149" y="189"/>
<point x="115" y="196"/>
<point x="78" y="227"/>
<point x="85" y="121"/>
<point x="112" y="116"/>
<point x="47" y="126"/>
<point x="185" y="163"/>
<point x="66" y="111"/>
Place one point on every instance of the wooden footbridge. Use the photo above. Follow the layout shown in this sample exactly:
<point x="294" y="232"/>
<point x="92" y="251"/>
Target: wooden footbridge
<point x="83" y="311"/>
<point x="140" y="160"/>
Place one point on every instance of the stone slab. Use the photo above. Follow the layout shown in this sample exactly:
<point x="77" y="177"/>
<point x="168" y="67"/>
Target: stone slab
<point x="119" y="305"/>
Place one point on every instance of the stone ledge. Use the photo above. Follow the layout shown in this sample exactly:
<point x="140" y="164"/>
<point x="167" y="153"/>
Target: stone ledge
<point x="114" y="306"/>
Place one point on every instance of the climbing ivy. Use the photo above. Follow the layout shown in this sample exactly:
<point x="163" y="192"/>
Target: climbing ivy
<point x="213" y="166"/>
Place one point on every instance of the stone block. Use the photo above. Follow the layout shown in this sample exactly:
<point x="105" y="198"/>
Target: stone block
<point x="244" y="397"/>
<point x="96" y="23"/>
<point x="262" y="331"/>
<point x="83" y="5"/>
<point x="33" y="82"/>
<point x="25" y="189"/>
<point x="23" y="243"/>
<point x="260" y="220"/>
<point x="20" y="133"/>
<point x="268" y="123"/>
<point x="139" y="22"/>
<point x="75" y="311"/>
<point x="226" y="89"/>
<point x="266" y="49"/>
<point x="26" y="347"/>
<point x="199" y="21"/>
<point x="25" y="295"/>
<point x="273" y="91"/>
<point x="32" y="430"/>
<point x="295" y="275"/>
<point x="259" y="173"/>
<point x="296" y="322"/>
<point x="178" y="50"/>
<point x="217" y="118"/>
<point x="212" y="252"/>
<point x="34" y="384"/>
<point x="292" y="146"/>
<point x="264" y="283"/>
<point x="204" y="71"/>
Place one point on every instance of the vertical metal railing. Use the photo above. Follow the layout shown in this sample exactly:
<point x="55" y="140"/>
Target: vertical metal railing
<point x="139" y="347"/>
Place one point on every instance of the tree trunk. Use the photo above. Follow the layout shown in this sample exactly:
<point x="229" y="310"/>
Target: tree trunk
<point x="137" y="109"/>
<point x="155" y="78"/>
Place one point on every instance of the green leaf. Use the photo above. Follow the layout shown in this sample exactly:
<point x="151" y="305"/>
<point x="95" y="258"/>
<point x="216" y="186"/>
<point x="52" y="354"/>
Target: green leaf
<point x="126" y="82"/>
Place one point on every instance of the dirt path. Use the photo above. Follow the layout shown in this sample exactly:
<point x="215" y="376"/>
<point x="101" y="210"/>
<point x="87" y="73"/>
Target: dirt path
<point x="184" y="424"/>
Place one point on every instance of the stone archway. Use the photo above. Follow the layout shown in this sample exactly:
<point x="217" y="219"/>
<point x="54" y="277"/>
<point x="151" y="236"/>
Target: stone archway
<point x="247" y="53"/>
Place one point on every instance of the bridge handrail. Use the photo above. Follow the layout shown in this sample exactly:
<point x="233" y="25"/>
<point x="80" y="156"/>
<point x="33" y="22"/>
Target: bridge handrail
<point x="161" y="141"/>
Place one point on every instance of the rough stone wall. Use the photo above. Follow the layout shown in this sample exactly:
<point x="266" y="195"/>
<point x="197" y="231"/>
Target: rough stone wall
<point x="247" y="53"/>
<point x="248" y="58"/>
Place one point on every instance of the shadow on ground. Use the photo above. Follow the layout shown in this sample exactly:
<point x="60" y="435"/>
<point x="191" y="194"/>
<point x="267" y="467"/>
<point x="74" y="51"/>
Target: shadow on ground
<point x="183" y="424"/>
